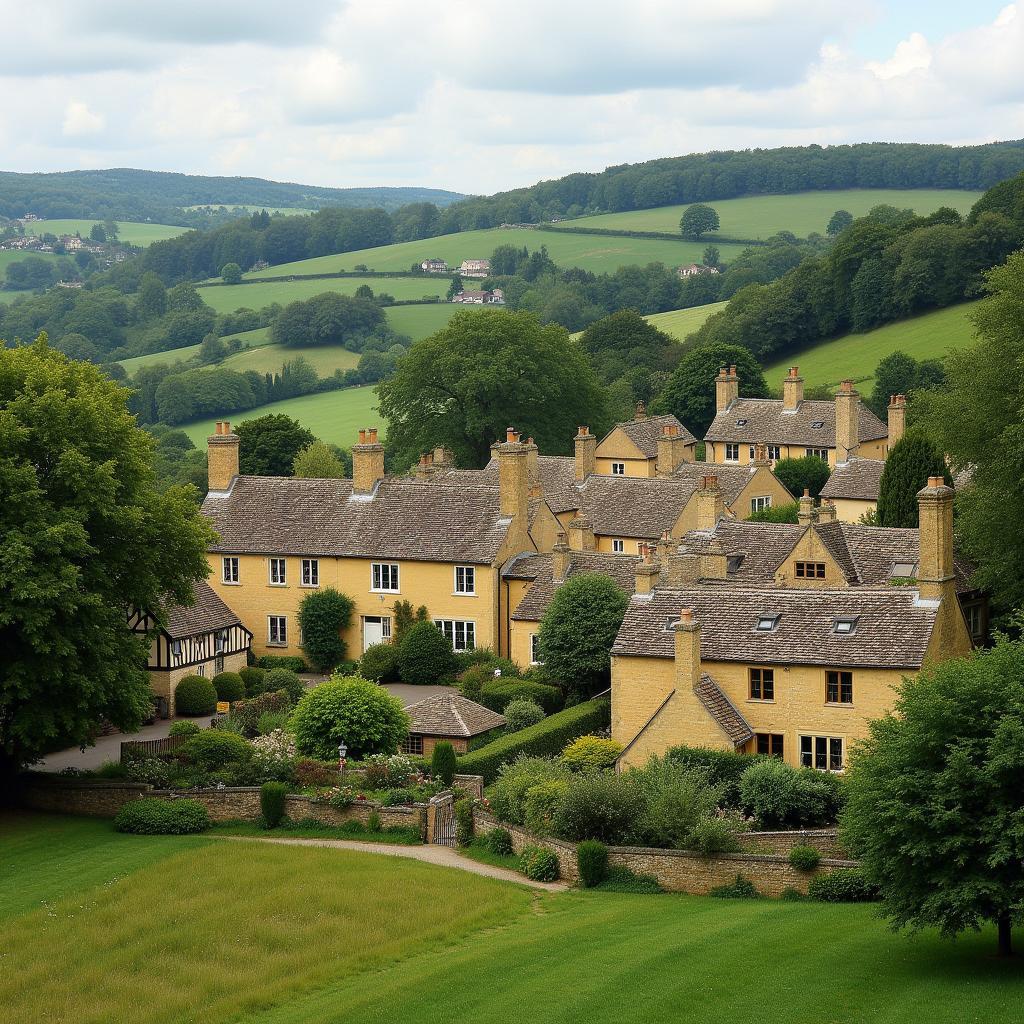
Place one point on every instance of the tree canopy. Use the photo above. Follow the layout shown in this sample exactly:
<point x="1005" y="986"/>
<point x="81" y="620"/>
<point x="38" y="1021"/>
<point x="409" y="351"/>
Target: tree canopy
<point x="807" y="472"/>
<point x="901" y="374"/>
<point x="269" y="444"/>
<point x="839" y="222"/>
<point x="697" y="220"/>
<point x="912" y="460"/>
<point x="320" y="460"/>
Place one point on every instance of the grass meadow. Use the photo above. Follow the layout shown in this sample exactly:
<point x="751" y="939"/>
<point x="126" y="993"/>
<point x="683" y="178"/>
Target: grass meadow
<point x="680" y="323"/>
<point x="228" y="298"/>
<point x="249" y="339"/>
<point x="9" y="256"/>
<point x="10" y="296"/>
<point x="97" y="926"/>
<point x="325" y="359"/>
<point x="132" y="232"/>
<point x="800" y="212"/>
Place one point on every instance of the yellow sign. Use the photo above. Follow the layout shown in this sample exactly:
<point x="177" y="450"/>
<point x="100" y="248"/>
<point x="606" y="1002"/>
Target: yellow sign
<point x="223" y="707"/>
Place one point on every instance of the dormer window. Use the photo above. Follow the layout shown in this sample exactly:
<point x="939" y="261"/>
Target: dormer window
<point x="766" y="623"/>
<point x="904" y="570"/>
<point x="733" y="563"/>
<point x="741" y="423"/>
<point x="817" y="424"/>
<point x="845" y="625"/>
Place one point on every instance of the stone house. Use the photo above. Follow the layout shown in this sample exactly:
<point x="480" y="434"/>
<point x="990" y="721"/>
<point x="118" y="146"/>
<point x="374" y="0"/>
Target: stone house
<point x="434" y="266"/>
<point x="475" y="268"/>
<point x="694" y="270"/>
<point x="451" y="717"/>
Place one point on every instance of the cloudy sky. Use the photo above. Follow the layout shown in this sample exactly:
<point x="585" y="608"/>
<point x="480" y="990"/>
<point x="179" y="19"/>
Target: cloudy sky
<point x="482" y="96"/>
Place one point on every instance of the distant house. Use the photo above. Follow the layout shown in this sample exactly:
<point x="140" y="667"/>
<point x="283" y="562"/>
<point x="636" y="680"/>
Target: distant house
<point x="71" y="243"/>
<point x="449" y="717"/>
<point x="695" y="270"/>
<point x="259" y="265"/>
<point x="70" y="284"/>
<point x="434" y="266"/>
<point x="479" y="298"/>
<point x="475" y="268"/>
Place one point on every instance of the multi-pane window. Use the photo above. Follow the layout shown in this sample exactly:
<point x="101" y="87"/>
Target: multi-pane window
<point x="732" y="453"/>
<point x="229" y="569"/>
<point x="762" y="684"/>
<point x="412" y="745"/>
<point x="764" y="501"/>
<point x="220" y="641"/>
<point x="461" y="633"/>
<point x="618" y="546"/>
<point x="535" y="650"/>
<point x="975" y="622"/>
<point x="839" y="687"/>
<point x="810" y="570"/>
<point x="218" y="665"/>
<point x="311" y="572"/>
<point x="465" y="579"/>
<point x="774" y="452"/>
<point x="176" y="648"/>
<point x="817" y="453"/>
<point x="618" y="469"/>
<point x="384" y="577"/>
<point x="277" y="630"/>
<point x="770" y="743"/>
<point x="822" y="752"/>
<point x="278" y="572"/>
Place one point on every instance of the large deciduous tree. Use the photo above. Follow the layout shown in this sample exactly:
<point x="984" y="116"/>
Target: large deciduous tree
<point x="86" y="536"/>
<point x="935" y="802"/>
<point x="487" y="370"/>
<point x="911" y="462"/>
<point x="270" y="443"/>
<point x="320" y="460"/>
<point x="698" y="219"/>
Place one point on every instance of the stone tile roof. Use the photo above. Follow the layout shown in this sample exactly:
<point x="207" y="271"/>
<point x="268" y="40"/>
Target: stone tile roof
<point x="758" y="548"/>
<point x="633" y="506"/>
<point x="723" y="711"/>
<point x="619" y="568"/>
<point x="402" y="518"/>
<point x="451" y="714"/>
<point x="644" y="433"/>
<point x="857" y="479"/>
<point x="557" y="475"/>
<point x="767" y="422"/>
<point x="892" y="629"/>
<point x="207" y="614"/>
<point x="731" y="479"/>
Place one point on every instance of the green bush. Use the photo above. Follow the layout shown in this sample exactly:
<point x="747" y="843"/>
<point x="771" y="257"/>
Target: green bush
<point x="183" y="729"/>
<point x="547" y="737"/>
<point x="425" y="655"/>
<point x="323" y="615"/>
<point x="270" y="721"/>
<point x="112" y="770"/>
<point x="398" y="797"/>
<point x="229" y="686"/>
<point x="514" y="782"/>
<point x="541" y="804"/>
<point x="592" y="859"/>
<point x="497" y="694"/>
<point x="725" y="768"/>
<point x="472" y="681"/>
<point x="352" y="710"/>
<point x="598" y="806"/>
<point x="310" y="773"/>
<point x="844" y="885"/>
<point x="246" y="714"/>
<point x="272" y="796"/>
<point x="290" y="662"/>
<point x="591" y="754"/>
<point x="673" y="800"/>
<point x="151" y="816"/>
<point x="195" y="695"/>
<point x="499" y="841"/>
<point x="214" y="749"/>
<point x="151" y="770"/>
<point x="521" y="714"/>
<point x="717" y="833"/>
<point x="464" y="822"/>
<point x="383" y="771"/>
<point x="443" y="762"/>
<point x="620" y="879"/>
<point x="379" y="663"/>
<point x="484" y="656"/>
<point x="253" y="678"/>
<point x="804" y="858"/>
<point x="539" y="864"/>
<point x="791" y="895"/>
<point x="781" y="796"/>
<point x="741" y="889"/>
<point x="373" y="822"/>
<point x="285" y="679"/>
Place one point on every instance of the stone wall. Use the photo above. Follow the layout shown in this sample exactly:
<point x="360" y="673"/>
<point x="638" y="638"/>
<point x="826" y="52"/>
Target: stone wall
<point x="81" y="796"/>
<point x="824" y="840"/>
<point x="565" y="852"/>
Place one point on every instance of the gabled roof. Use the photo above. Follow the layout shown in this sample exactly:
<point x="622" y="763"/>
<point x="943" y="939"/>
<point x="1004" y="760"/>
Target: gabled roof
<point x="723" y="711"/>
<point x="401" y="518"/>
<point x="557" y="474"/>
<point x="451" y="714"/>
<point x="766" y="421"/>
<point x="207" y="614"/>
<point x="857" y="479"/>
<point x="644" y="433"/>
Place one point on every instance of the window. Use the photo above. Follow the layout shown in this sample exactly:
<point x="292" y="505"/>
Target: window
<point x="839" y="687"/>
<point x="810" y="570"/>
<point x="229" y="569"/>
<point x="762" y="684"/>
<point x="817" y="453"/>
<point x="465" y="579"/>
<point x="218" y="665"/>
<point x="766" y="623"/>
<point x="461" y="634"/>
<point x="311" y="572"/>
<point x="904" y="570"/>
<point x="535" y="650"/>
<point x="618" y="546"/>
<point x="817" y="424"/>
<point x="822" y="752"/>
<point x="732" y="453"/>
<point x="176" y="648"/>
<point x="845" y="626"/>
<point x="773" y="451"/>
<point x="769" y="743"/>
<point x="618" y="469"/>
<point x="221" y="641"/>
<point x="412" y="745"/>
<point x="975" y="620"/>
<point x="278" y="571"/>
<point x="384" y="577"/>
<point x="756" y="504"/>
<point x="277" y="631"/>
<point x="733" y="563"/>
<point x="741" y="423"/>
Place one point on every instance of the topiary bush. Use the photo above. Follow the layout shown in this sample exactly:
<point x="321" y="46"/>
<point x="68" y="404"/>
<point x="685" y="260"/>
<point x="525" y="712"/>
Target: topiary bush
<point x="443" y="762"/>
<point x="844" y="885"/>
<point x="497" y="694"/>
<point x="213" y="749"/>
<point x="741" y="889"/>
<point x="591" y="754"/>
<point x="804" y="858"/>
<point x="229" y="686"/>
<point x="781" y="796"/>
<point x="464" y="822"/>
<point x="592" y="860"/>
<point x="272" y="800"/>
<point x="379" y="663"/>
<point x="253" y="679"/>
<point x="287" y="680"/>
<point x="183" y="729"/>
<point x="151" y="816"/>
<point x="323" y="615"/>
<point x="195" y="695"/>
<point x="521" y="714"/>
<point x="499" y="841"/>
<point x="539" y="864"/>
<point x="425" y="655"/>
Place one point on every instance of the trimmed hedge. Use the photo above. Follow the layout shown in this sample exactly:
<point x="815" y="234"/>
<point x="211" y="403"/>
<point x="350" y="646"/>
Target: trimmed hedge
<point x="252" y="677"/>
<point x="545" y="738"/>
<point x="195" y="695"/>
<point x="151" y="816"/>
<point x="272" y="661"/>
<point x="272" y="796"/>
<point x="592" y="858"/>
<point x="843" y="885"/>
<point x="497" y="695"/>
<point x="229" y="686"/>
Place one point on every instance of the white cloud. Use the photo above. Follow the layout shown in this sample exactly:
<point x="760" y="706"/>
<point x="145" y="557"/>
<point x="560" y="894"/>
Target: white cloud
<point x="79" y="120"/>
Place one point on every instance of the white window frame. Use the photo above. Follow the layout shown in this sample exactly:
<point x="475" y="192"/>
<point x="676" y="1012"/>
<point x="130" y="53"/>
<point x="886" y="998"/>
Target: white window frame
<point x="229" y="570"/>
<point x="277" y="631"/>
<point x="817" y="453"/>
<point x="452" y="628"/>
<point x="385" y="578"/>
<point x="773" y="452"/>
<point x="534" y="660"/>
<point x="618" y="547"/>
<point x="310" y="572"/>
<point x="732" y="451"/>
<point x="618" y="469"/>
<point x="464" y="581"/>
<point x="809" y="758"/>
<point x="762" y="501"/>
<point x="277" y="572"/>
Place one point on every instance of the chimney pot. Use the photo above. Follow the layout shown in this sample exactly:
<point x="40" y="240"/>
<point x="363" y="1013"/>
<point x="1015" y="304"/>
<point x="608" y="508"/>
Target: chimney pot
<point x="362" y="437"/>
<point x="807" y="492"/>
<point x="686" y="615"/>
<point x="846" y="386"/>
<point x="511" y="436"/>
<point x="732" y="370"/>
<point x="373" y="435"/>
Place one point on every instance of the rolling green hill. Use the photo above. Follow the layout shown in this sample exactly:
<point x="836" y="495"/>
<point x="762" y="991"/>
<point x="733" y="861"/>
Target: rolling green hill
<point x="800" y="212"/>
<point x="325" y="359"/>
<point x="682" y="322"/>
<point x="9" y="256"/>
<point x="132" y="232"/>
<point x="249" y="339"/>
<point x="227" y="298"/>
<point x="10" y="296"/>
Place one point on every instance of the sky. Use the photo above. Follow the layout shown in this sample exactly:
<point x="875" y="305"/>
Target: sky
<point x="480" y="97"/>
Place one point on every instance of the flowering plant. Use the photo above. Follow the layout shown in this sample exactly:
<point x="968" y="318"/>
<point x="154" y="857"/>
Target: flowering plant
<point x="339" y="797"/>
<point x="274" y="755"/>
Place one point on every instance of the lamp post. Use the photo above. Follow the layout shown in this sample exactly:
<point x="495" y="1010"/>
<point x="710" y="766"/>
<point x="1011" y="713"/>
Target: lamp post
<point x="342" y="751"/>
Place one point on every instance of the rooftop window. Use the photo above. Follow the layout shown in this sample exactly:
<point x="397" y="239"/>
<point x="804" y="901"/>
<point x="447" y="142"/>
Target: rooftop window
<point x="845" y="625"/>
<point x="903" y="570"/>
<point x="766" y="623"/>
<point x="741" y="423"/>
<point x="733" y="562"/>
<point x="817" y="424"/>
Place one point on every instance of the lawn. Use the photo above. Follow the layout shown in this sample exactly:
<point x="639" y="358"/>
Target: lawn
<point x="132" y="232"/>
<point x="6" y="296"/>
<point x="333" y="416"/>
<point x="856" y="355"/>
<point x="228" y="298"/>
<point x="682" y="322"/>
<point x="97" y="925"/>
<point x="800" y="212"/>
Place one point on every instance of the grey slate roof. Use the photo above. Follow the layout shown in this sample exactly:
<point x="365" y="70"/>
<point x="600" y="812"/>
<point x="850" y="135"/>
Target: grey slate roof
<point x="723" y="711"/>
<point x="767" y="422"/>
<point x="451" y="714"/>
<point x="401" y="519"/>
<point x="858" y="479"/>
<point x="644" y="433"/>
<point x="892" y="630"/>
<point x="207" y="614"/>
<point x="619" y="568"/>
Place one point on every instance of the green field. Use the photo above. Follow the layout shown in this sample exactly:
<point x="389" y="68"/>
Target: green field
<point x="682" y="322"/>
<point x="333" y="416"/>
<point x="586" y="251"/>
<point x="855" y="356"/>
<point x="132" y="232"/>
<point x="228" y="298"/>
<point x="801" y="212"/>
<point x="325" y="359"/>
<point x="6" y="296"/>
<point x="249" y="339"/>
<point x="98" y="925"/>
<point x="9" y="256"/>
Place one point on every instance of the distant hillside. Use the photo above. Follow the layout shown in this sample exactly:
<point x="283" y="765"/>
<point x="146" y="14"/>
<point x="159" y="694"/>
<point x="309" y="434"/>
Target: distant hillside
<point x="128" y="194"/>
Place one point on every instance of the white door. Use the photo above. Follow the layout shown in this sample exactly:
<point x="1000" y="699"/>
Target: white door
<point x="376" y="630"/>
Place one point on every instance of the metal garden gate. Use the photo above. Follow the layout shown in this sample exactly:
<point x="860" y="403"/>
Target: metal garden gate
<point x="443" y="831"/>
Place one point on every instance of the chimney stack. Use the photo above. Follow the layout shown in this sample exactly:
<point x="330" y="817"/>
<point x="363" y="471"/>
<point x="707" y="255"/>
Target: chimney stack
<point x="367" y="462"/>
<point x="641" y="411"/>
<point x="425" y="467"/>
<point x="586" y="453"/>
<point x="897" y="419"/>
<point x="761" y="455"/>
<point x="664" y="547"/>
<point x="687" y="651"/>
<point x="792" y="390"/>
<point x="581" y="534"/>
<point x="671" y="450"/>
<point x="533" y="467"/>
<point x="935" y="517"/>
<point x="827" y="512"/>
<point x="806" y="515"/>
<point x="647" y="570"/>
<point x="560" y="558"/>
<point x="713" y="561"/>
<point x="221" y="457"/>
<point x="682" y="569"/>
<point x="727" y="388"/>
<point x="513" y="477"/>
<point x="710" y="505"/>
<point x="847" y="422"/>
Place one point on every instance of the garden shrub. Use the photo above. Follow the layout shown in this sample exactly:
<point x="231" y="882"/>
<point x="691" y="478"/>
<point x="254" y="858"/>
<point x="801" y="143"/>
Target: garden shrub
<point x="497" y="694"/>
<point x="111" y="770"/>
<point x="515" y="780"/>
<point x="521" y="714"/>
<point x="272" y="797"/>
<point x="195" y="695"/>
<point x="443" y="762"/>
<point x="213" y="749"/>
<point x="592" y="859"/>
<point x="246" y="714"/>
<point x="373" y="822"/>
<point x="310" y="773"/>
<point x="287" y="680"/>
<point x="547" y="737"/>
<point x="253" y="678"/>
<point x="232" y="725"/>
<point x="672" y="801"/>
<point x="741" y="889"/>
<point x="620" y="879"/>
<point x="843" y="885"/>
<point x="271" y="721"/>
<point x="350" y="709"/>
<point x="725" y="768"/>
<point x="290" y="662"/>
<point x="804" y="858"/>
<point x="539" y="864"/>
<point x="398" y="797"/>
<point x="472" y="681"/>
<point x="379" y="663"/>
<point x="591" y="754"/>
<point x="229" y="686"/>
<point x="791" y="895"/>
<point x="152" y="816"/>
<point x="597" y="806"/>
<point x="183" y="729"/>
<point x="464" y="822"/>
<point x="151" y="769"/>
<point x="425" y="655"/>
<point x="499" y="841"/>
<point x="273" y="756"/>
<point x="381" y="771"/>
<point x="717" y="833"/>
<point x="323" y="615"/>
<point x="781" y="796"/>
<point x="541" y="803"/>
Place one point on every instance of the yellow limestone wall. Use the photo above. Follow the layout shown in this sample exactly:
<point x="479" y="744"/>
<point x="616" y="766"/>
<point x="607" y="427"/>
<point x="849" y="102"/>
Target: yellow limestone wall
<point x="617" y="447"/>
<point x="763" y="482"/>
<point x="849" y="510"/>
<point x="810" y="549"/>
<point x="715" y="452"/>
<point x="163" y="681"/>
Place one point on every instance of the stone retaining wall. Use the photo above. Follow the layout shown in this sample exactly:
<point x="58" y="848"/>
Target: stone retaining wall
<point x="565" y="852"/>
<point x="824" y="840"/>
